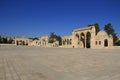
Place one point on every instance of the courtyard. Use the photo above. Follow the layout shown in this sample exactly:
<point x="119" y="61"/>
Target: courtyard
<point x="36" y="63"/>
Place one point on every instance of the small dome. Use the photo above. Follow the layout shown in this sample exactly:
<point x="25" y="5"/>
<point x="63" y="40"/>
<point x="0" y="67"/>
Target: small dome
<point x="101" y="33"/>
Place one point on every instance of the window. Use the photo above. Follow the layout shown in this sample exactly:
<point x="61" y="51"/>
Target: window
<point x="99" y="42"/>
<point x="78" y="42"/>
<point x="70" y="43"/>
<point x="96" y="42"/>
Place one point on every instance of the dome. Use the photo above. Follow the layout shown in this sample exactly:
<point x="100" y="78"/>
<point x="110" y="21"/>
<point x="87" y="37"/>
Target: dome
<point x="101" y="33"/>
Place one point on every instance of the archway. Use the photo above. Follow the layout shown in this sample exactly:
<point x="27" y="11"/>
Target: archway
<point x="67" y="41"/>
<point x="23" y="42"/>
<point x="77" y="35"/>
<point x="20" y="43"/>
<point x="88" y="39"/>
<point x="106" y="43"/>
<point x="83" y="39"/>
<point x="70" y="41"/>
<point x="17" y="42"/>
<point x="77" y="38"/>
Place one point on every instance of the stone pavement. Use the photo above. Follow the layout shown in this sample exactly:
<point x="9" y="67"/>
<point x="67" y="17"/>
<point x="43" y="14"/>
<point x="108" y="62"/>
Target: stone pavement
<point x="35" y="63"/>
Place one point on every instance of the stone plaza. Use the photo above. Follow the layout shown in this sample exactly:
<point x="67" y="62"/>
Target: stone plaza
<point x="37" y="63"/>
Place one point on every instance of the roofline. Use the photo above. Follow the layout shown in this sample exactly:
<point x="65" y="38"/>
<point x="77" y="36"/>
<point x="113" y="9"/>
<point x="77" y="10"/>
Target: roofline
<point x="80" y="29"/>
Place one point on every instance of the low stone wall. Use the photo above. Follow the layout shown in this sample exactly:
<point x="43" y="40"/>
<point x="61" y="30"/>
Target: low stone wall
<point x="7" y="45"/>
<point x="115" y="47"/>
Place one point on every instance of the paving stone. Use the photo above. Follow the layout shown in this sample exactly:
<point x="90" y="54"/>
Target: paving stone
<point x="35" y="63"/>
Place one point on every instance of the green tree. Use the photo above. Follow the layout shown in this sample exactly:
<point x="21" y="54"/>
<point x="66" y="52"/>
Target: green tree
<point x="97" y="28"/>
<point x="118" y="43"/>
<point x="35" y="38"/>
<point x="110" y="30"/>
<point x="53" y="37"/>
<point x="0" y="39"/>
<point x="59" y="39"/>
<point x="4" y="40"/>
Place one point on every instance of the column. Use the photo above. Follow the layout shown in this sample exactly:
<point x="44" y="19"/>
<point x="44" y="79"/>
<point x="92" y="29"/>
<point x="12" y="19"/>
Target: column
<point x="85" y="40"/>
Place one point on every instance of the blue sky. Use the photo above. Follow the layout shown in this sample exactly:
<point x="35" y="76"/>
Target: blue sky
<point x="30" y="18"/>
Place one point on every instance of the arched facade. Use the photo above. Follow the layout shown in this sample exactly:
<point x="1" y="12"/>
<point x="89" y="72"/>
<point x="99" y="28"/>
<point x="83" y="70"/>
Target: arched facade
<point x="82" y="37"/>
<point x="43" y="42"/>
<point x="87" y="38"/>
<point x="22" y="41"/>
<point x="67" y="41"/>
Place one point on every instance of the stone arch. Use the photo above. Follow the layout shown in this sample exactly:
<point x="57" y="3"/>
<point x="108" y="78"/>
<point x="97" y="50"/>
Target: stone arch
<point x="82" y="39"/>
<point x="70" y="41"/>
<point x="105" y="43"/>
<point x="17" y="42"/>
<point x="44" y="42"/>
<point x="67" y="41"/>
<point x="77" y="38"/>
<point x="23" y="42"/>
<point x="77" y="35"/>
<point x="88" y="40"/>
<point x="26" y="43"/>
<point x="20" y="42"/>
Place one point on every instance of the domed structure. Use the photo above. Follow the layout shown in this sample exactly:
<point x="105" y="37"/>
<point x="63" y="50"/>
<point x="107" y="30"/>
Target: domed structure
<point x="101" y="33"/>
<point x="102" y="39"/>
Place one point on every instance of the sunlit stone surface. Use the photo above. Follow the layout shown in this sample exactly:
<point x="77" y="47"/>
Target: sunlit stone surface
<point x="35" y="63"/>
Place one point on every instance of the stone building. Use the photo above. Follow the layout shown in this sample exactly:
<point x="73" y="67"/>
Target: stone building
<point x="67" y="41"/>
<point x="42" y="42"/>
<point x="80" y="38"/>
<point x="22" y="41"/>
<point x="87" y="38"/>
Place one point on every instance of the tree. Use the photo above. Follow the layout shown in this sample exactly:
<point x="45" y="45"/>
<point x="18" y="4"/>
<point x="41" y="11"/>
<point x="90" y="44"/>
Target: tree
<point x="4" y="40"/>
<point x="59" y="39"/>
<point x="97" y="28"/>
<point x="35" y="38"/>
<point x="118" y="43"/>
<point x="110" y="30"/>
<point x="0" y="39"/>
<point x="53" y="37"/>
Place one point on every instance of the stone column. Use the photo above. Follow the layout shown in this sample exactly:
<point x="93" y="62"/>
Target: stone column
<point x="93" y="34"/>
<point x="15" y="42"/>
<point x="85" y="40"/>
